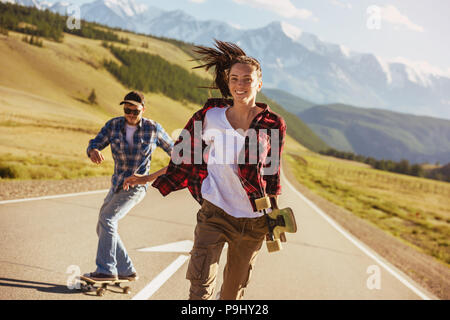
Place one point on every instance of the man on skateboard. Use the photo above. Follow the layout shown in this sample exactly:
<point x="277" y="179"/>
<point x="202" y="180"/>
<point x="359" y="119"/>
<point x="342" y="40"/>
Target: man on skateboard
<point x="133" y="140"/>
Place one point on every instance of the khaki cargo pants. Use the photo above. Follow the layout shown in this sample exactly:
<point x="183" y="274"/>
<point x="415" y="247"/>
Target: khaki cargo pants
<point x="244" y="236"/>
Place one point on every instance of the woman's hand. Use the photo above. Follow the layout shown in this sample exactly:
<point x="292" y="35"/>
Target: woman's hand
<point x="136" y="179"/>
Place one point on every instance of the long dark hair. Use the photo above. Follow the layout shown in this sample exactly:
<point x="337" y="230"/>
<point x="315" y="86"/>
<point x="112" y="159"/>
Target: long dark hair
<point x="222" y="58"/>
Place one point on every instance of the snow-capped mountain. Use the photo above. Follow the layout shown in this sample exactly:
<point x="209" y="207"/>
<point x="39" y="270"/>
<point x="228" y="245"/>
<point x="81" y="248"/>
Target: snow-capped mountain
<point x="326" y="73"/>
<point x="292" y="60"/>
<point x="27" y="3"/>
<point x="60" y="7"/>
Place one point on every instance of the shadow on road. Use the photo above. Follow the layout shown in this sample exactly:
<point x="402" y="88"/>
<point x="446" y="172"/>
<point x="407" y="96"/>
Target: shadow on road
<point x="40" y="286"/>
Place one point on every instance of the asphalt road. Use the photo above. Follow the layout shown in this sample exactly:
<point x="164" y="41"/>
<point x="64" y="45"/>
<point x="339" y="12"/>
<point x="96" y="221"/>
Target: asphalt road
<point x="45" y="243"/>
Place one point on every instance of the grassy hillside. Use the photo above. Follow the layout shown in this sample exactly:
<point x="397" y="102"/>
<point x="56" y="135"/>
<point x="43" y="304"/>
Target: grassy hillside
<point x="290" y="102"/>
<point x="47" y="117"/>
<point x="296" y="128"/>
<point x="413" y="209"/>
<point x="46" y="121"/>
<point x="381" y="134"/>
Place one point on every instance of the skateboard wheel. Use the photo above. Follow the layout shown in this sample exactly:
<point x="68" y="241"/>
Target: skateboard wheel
<point x="127" y="290"/>
<point x="86" y="288"/>
<point x="100" y="292"/>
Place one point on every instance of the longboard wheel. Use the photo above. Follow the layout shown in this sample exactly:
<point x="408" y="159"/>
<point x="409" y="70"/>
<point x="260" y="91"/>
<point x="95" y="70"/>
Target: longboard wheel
<point x="127" y="290"/>
<point x="101" y="292"/>
<point x="86" y="287"/>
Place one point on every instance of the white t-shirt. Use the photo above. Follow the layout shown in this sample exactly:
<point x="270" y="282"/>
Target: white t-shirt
<point x="222" y="186"/>
<point x="129" y="133"/>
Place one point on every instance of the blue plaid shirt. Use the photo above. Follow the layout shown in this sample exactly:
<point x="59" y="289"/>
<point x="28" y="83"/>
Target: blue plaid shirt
<point x="127" y="161"/>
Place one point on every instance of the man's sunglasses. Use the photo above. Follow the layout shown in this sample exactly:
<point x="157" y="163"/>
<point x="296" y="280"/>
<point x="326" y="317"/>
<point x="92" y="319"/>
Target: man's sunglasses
<point x="131" y="111"/>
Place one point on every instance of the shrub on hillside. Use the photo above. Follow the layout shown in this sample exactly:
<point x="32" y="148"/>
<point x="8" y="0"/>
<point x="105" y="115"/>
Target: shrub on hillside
<point x="403" y="166"/>
<point x="92" y="97"/>
<point x="35" y="41"/>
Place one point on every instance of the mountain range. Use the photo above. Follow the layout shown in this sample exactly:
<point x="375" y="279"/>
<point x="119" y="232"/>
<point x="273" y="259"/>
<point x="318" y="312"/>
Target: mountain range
<point x="367" y="131"/>
<point x="294" y="61"/>
<point x="381" y="134"/>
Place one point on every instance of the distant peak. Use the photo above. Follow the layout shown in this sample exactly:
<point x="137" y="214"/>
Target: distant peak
<point x="291" y="31"/>
<point x="61" y="3"/>
<point x="418" y="70"/>
<point x="179" y="15"/>
<point x="129" y="7"/>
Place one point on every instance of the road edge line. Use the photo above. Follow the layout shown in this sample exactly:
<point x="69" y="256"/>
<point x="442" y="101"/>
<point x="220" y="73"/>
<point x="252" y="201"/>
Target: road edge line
<point x="53" y="197"/>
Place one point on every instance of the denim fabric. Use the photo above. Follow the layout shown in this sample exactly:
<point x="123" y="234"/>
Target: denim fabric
<point x="127" y="161"/>
<point x="112" y="257"/>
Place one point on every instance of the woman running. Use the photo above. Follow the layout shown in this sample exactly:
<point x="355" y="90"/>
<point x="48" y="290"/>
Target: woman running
<point x="228" y="156"/>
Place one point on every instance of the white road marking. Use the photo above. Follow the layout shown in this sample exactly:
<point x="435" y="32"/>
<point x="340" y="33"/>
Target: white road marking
<point x="180" y="246"/>
<point x="54" y="197"/>
<point x="160" y="279"/>
<point x="357" y="243"/>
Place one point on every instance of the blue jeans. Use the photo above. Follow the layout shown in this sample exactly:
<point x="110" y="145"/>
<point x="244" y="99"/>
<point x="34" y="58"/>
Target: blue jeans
<point x="112" y="257"/>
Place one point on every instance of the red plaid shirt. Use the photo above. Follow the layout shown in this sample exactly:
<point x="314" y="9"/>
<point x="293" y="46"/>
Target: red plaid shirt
<point x="255" y="183"/>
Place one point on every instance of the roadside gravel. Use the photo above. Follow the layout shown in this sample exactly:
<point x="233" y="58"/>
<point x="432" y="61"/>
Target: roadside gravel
<point x="19" y="189"/>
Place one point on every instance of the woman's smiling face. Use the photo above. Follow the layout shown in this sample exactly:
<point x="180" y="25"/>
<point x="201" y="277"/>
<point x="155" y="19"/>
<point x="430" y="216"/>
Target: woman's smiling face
<point x="243" y="82"/>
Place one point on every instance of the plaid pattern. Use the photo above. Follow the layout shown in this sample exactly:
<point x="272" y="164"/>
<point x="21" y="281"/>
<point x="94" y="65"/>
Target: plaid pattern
<point x="129" y="160"/>
<point x="256" y="185"/>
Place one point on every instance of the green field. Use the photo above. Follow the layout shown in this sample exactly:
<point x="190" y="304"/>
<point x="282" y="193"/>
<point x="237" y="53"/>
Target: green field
<point x="413" y="209"/>
<point x="45" y="119"/>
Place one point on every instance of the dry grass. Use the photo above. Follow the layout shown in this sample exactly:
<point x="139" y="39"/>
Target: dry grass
<point x="45" y="122"/>
<point x="415" y="210"/>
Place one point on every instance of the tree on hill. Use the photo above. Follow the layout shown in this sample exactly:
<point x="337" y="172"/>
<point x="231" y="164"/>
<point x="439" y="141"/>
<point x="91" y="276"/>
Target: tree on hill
<point x="3" y="31"/>
<point x="149" y="72"/>
<point x="417" y="170"/>
<point x="92" y="97"/>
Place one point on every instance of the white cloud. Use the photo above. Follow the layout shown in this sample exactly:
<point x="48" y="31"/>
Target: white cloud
<point x="197" y="1"/>
<point x="342" y="4"/>
<point x="284" y="8"/>
<point x="392" y="15"/>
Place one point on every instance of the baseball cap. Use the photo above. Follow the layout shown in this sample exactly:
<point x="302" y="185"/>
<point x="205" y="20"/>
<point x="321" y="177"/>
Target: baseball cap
<point x="134" y="97"/>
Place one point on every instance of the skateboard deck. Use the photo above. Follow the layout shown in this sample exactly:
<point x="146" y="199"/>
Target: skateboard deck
<point x="90" y="285"/>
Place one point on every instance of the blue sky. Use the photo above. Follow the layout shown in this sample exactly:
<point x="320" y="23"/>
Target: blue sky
<point x="410" y="31"/>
